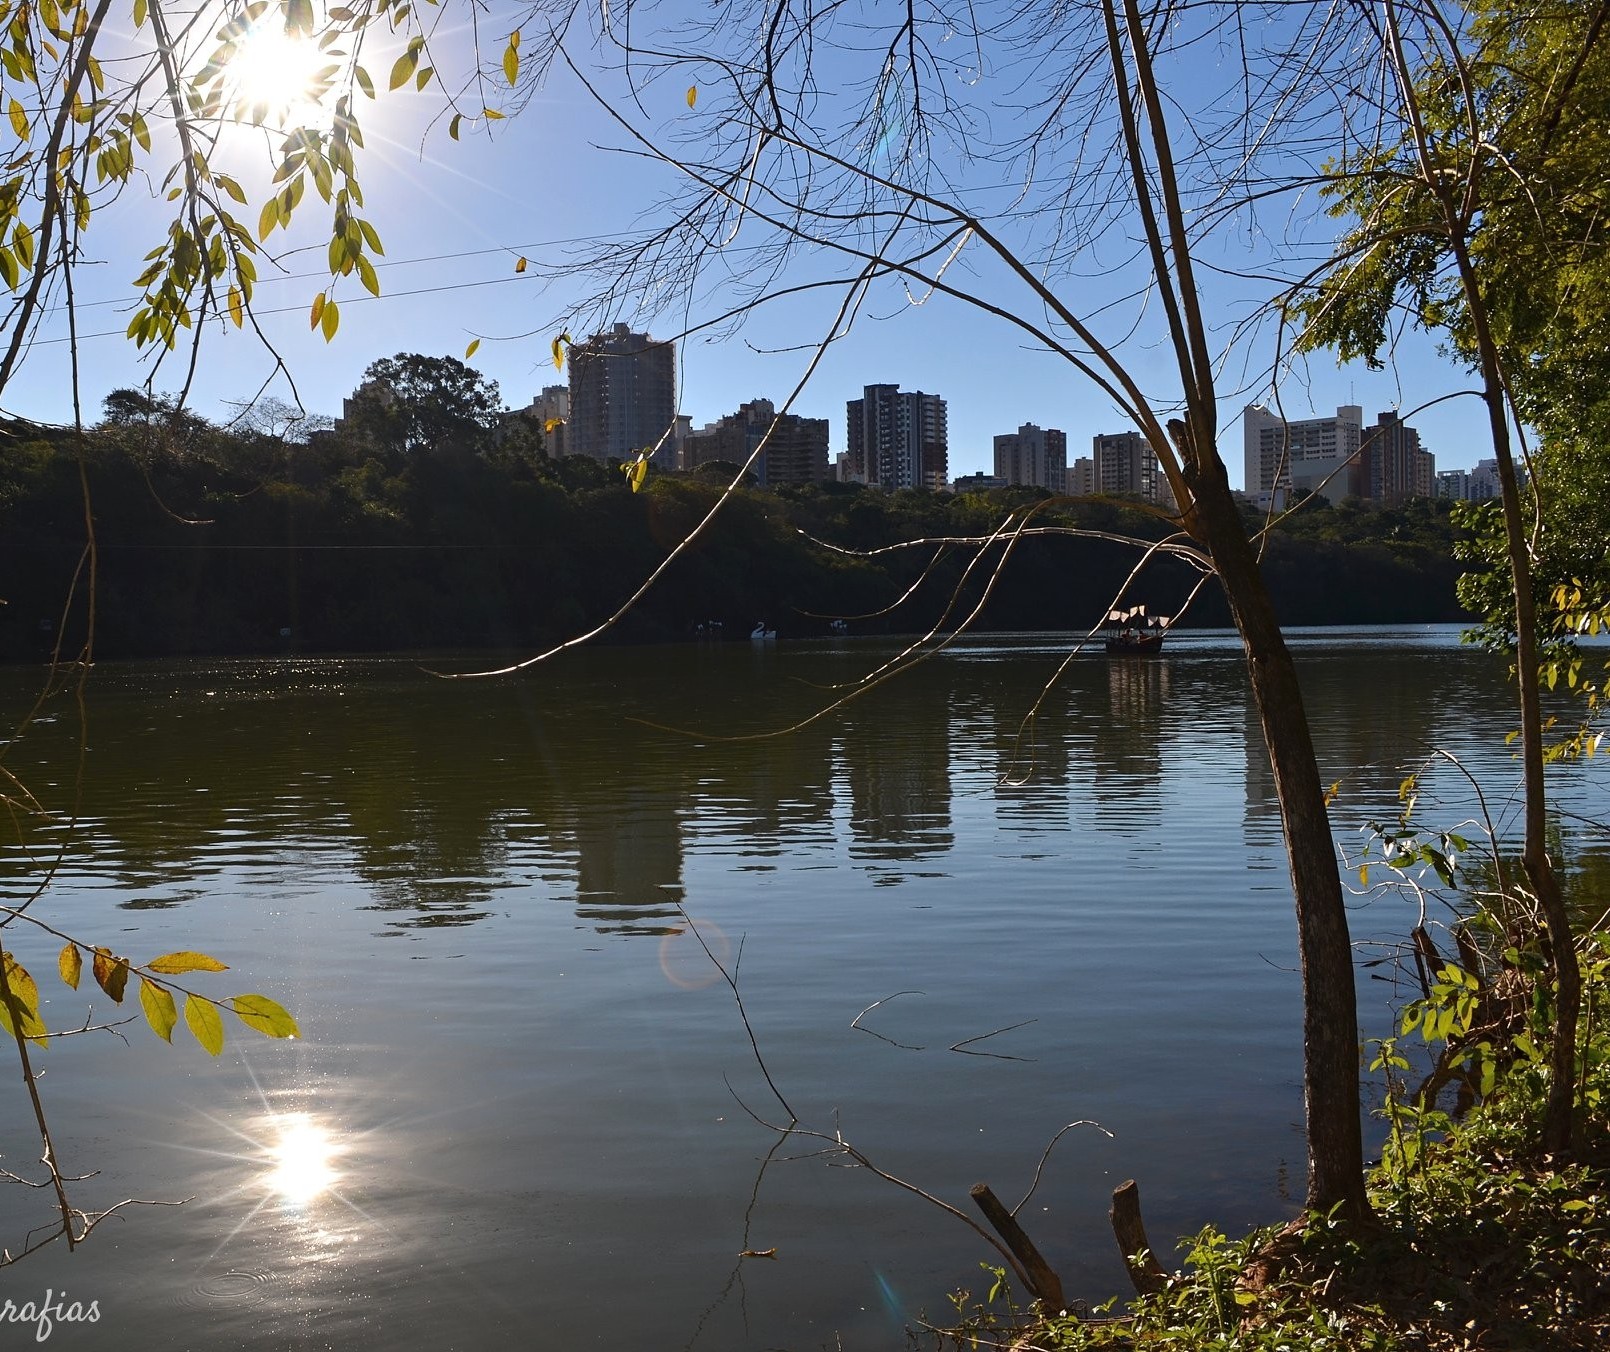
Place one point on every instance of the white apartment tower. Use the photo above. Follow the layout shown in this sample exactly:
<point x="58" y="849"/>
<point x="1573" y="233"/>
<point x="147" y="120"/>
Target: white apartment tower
<point x="1314" y="455"/>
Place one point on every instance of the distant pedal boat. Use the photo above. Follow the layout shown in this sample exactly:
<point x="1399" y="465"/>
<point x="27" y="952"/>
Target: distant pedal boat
<point x="761" y="634"/>
<point x="1133" y="632"/>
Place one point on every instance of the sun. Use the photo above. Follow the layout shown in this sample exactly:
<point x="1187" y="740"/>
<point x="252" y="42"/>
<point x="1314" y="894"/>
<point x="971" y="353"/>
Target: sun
<point x="280" y="79"/>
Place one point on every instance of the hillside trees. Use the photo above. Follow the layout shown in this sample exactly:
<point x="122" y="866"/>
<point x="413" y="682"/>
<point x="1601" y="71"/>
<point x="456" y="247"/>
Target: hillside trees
<point x="414" y="404"/>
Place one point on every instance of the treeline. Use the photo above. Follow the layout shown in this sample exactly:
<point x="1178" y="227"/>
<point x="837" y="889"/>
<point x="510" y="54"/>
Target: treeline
<point x="249" y="541"/>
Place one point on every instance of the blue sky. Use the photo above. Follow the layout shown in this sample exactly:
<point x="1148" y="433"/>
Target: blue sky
<point x="455" y="217"/>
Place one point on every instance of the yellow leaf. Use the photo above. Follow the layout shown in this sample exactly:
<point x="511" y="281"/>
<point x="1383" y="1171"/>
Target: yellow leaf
<point x="174" y="964"/>
<point x="693" y="95"/>
<point x="559" y="351"/>
<point x="511" y="61"/>
<point x="23" y="987"/>
<point x="266" y="1016"/>
<point x="519" y="265"/>
<point x="491" y="114"/>
<point x="19" y="121"/>
<point x="70" y="964"/>
<point x="317" y="312"/>
<point x="550" y="424"/>
<point x="404" y="68"/>
<point x="24" y="1001"/>
<point x="203" y="1021"/>
<point x="636" y="471"/>
<point x="111" y="973"/>
<point x="237" y="311"/>
<point x="159" y="1010"/>
<point x="329" y="320"/>
<point x="139" y="13"/>
<point x="470" y="350"/>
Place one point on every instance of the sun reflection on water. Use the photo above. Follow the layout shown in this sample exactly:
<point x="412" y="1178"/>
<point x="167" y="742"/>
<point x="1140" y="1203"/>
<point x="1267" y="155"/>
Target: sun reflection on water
<point x="303" y="1157"/>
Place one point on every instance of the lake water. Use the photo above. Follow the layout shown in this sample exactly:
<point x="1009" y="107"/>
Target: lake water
<point x="536" y="1087"/>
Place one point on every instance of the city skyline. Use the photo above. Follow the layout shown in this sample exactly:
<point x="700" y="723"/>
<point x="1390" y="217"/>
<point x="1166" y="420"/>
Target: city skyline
<point x="456" y="224"/>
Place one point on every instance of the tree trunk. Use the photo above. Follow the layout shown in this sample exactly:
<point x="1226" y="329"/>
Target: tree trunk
<point x="1330" y="1005"/>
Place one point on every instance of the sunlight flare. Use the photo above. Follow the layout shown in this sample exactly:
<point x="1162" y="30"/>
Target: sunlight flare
<point x="303" y="1158"/>
<point x="280" y="79"/>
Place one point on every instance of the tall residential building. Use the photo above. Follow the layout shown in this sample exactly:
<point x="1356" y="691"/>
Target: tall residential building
<point x="1082" y="477"/>
<point x="795" y="452"/>
<point x="622" y="396"/>
<point x="1124" y="464"/>
<point x="1313" y="455"/>
<point x="1453" y="483"/>
<point x="1392" y="464"/>
<point x="898" y="440"/>
<point x="1469" y="485"/>
<point x="1034" y="456"/>
<point x="550" y="411"/>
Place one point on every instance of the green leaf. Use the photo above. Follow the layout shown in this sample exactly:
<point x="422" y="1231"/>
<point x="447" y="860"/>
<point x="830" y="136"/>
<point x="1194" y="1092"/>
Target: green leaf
<point x="70" y="964"/>
<point x="266" y="1016"/>
<point x="19" y="120"/>
<point x="202" y="1019"/>
<point x="366" y="273"/>
<point x="329" y="320"/>
<point x="403" y="69"/>
<point x="24" y="1002"/>
<point x="174" y="964"/>
<point x="139" y="13"/>
<point x="453" y="126"/>
<point x="111" y="973"/>
<point x="159" y="1010"/>
<point x="364" y="82"/>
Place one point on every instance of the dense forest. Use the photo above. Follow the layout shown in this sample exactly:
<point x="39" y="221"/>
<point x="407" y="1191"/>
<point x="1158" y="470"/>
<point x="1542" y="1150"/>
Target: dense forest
<point x="429" y="518"/>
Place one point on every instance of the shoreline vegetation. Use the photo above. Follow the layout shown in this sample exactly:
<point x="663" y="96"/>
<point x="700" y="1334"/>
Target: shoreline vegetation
<point x="1479" y="1242"/>
<point x="216" y="542"/>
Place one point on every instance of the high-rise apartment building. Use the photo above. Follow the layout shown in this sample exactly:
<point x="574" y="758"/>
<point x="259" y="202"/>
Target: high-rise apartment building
<point x="1392" y="463"/>
<point x="795" y="452"/>
<point x="622" y="396"/>
<point x="1336" y="457"/>
<point x="1313" y="455"/>
<point x="1034" y="456"/>
<point x="550" y="411"/>
<point x="1124" y="464"/>
<point x="1082" y="477"/>
<point x="898" y="440"/>
<point x="1469" y="485"/>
